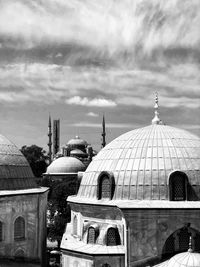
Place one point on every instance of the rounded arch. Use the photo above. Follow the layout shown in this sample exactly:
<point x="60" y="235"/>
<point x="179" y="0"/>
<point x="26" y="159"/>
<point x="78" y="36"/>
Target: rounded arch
<point x="178" y="241"/>
<point x="178" y="186"/>
<point x="19" y="228"/>
<point x="20" y="254"/>
<point x="105" y="185"/>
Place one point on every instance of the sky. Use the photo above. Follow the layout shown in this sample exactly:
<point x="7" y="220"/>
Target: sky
<point x="80" y="59"/>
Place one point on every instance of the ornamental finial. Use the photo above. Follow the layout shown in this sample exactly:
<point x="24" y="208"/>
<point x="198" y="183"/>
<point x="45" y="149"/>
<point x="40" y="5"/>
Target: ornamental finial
<point x="156" y="119"/>
<point x="190" y="245"/>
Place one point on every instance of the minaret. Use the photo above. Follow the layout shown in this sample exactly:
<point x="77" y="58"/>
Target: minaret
<point x="156" y="119"/>
<point x="103" y="133"/>
<point x="50" y="140"/>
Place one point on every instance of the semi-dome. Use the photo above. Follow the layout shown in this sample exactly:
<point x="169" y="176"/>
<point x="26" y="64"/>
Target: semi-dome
<point x="65" y="165"/>
<point x="77" y="141"/>
<point x="15" y="172"/>
<point x="142" y="160"/>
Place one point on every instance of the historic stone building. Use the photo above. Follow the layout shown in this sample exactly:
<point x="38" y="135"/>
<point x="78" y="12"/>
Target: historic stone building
<point x="22" y="208"/>
<point x="138" y="201"/>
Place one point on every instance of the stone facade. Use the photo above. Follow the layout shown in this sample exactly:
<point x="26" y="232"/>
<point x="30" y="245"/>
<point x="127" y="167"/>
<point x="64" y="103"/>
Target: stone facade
<point x="31" y="207"/>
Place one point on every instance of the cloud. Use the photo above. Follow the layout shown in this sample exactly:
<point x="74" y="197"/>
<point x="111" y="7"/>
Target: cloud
<point x="123" y="29"/>
<point x="92" y="114"/>
<point x="95" y="102"/>
<point x="108" y="125"/>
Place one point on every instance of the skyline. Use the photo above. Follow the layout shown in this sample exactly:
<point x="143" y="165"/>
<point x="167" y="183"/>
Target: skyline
<point x="78" y="60"/>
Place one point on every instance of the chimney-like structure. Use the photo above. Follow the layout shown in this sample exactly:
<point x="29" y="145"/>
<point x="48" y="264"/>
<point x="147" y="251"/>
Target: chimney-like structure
<point x="103" y="133"/>
<point x="50" y="140"/>
<point x="56" y="136"/>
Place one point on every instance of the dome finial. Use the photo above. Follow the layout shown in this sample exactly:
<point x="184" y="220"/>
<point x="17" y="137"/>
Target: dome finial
<point x="156" y="119"/>
<point x="190" y="245"/>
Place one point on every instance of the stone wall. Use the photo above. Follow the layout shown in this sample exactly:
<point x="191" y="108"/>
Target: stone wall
<point x="148" y="231"/>
<point x="32" y="207"/>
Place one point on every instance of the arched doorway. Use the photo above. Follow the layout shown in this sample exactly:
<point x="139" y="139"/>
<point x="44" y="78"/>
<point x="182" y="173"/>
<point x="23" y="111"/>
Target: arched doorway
<point x="179" y="241"/>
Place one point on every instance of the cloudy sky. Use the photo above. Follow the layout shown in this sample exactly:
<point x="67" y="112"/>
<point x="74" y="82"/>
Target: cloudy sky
<point x="80" y="59"/>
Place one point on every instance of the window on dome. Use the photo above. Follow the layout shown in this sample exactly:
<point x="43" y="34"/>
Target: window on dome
<point x="113" y="238"/>
<point x="105" y="186"/>
<point x="106" y="265"/>
<point x="1" y="231"/>
<point x="75" y="225"/>
<point x="178" y="186"/>
<point x="91" y="235"/>
<point x="19" y="229"/>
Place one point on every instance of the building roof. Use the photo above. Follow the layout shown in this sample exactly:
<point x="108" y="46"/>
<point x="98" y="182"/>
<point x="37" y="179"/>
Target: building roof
<point x="77" y="141"/>
<point x="65" y="165"/>
<point x="15" y="172"/>
<point x="185" y="259"/>
<point x="142" y="160"/>
<point x="78" y="152"/>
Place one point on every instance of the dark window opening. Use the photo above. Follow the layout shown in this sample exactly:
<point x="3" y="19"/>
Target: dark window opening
<point x="91" y="235"/>
<point x="19" y="229"/>
<point x="178" y="186"/>
<point x="105" y="186"/>
<point x="113" y="238"/>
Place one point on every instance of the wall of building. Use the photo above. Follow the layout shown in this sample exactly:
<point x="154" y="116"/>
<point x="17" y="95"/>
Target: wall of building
<point x="148" y="231"/>
<point x="33" y="209"/>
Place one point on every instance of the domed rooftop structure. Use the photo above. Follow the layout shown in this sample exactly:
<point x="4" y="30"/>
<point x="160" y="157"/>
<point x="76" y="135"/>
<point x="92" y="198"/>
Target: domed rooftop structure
<point x="15" y="172"/>
<point x="77" y="141"/>
<point x="65" y="165"/>
<point x="78" y="153"/>
<point x="142" y="160"/>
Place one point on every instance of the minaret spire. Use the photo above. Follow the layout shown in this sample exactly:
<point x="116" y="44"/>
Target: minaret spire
<point x="103" y="133"/>
<point x="156" y="119"/>
<point x="50" y="139"/>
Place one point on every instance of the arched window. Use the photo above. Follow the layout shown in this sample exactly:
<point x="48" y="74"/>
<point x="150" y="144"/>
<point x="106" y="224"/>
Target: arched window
<point x="106" y="265"/>
<point x="105" y="186"/>
<point x="91" y="235"/>
<point x="75" y="225"/>
<point x="178" y="186"/>
<point x="19" y="229"/>
<point x="1" y="231"/>
<point x="113" y="238"/>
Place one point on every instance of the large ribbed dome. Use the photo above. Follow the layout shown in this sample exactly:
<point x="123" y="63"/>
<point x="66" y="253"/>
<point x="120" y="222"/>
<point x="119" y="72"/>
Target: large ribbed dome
<point x="65" y="165"/>
<point x="15" y="172"/>
<point x="142" y="160"/>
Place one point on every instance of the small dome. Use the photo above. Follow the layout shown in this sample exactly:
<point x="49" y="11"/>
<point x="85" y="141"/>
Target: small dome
<point x="77" y="141"/>
<point x="78" y="153"/>
<point x="142" y="160"/>
<point x="15" y="172"/>
<point x="185" y="259"/>
<point x="65" y="165"/>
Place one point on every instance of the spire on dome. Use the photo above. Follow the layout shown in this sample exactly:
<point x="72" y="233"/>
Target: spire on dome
<point x="190" y="245"/>
<point x="156" y="119"/>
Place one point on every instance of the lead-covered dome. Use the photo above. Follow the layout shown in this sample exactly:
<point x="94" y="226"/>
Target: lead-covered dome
<point x="15" y="172"/>
<point x="185" y="259"/>
<point x="141" y="162"/>
<point x="65" y="165"/>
